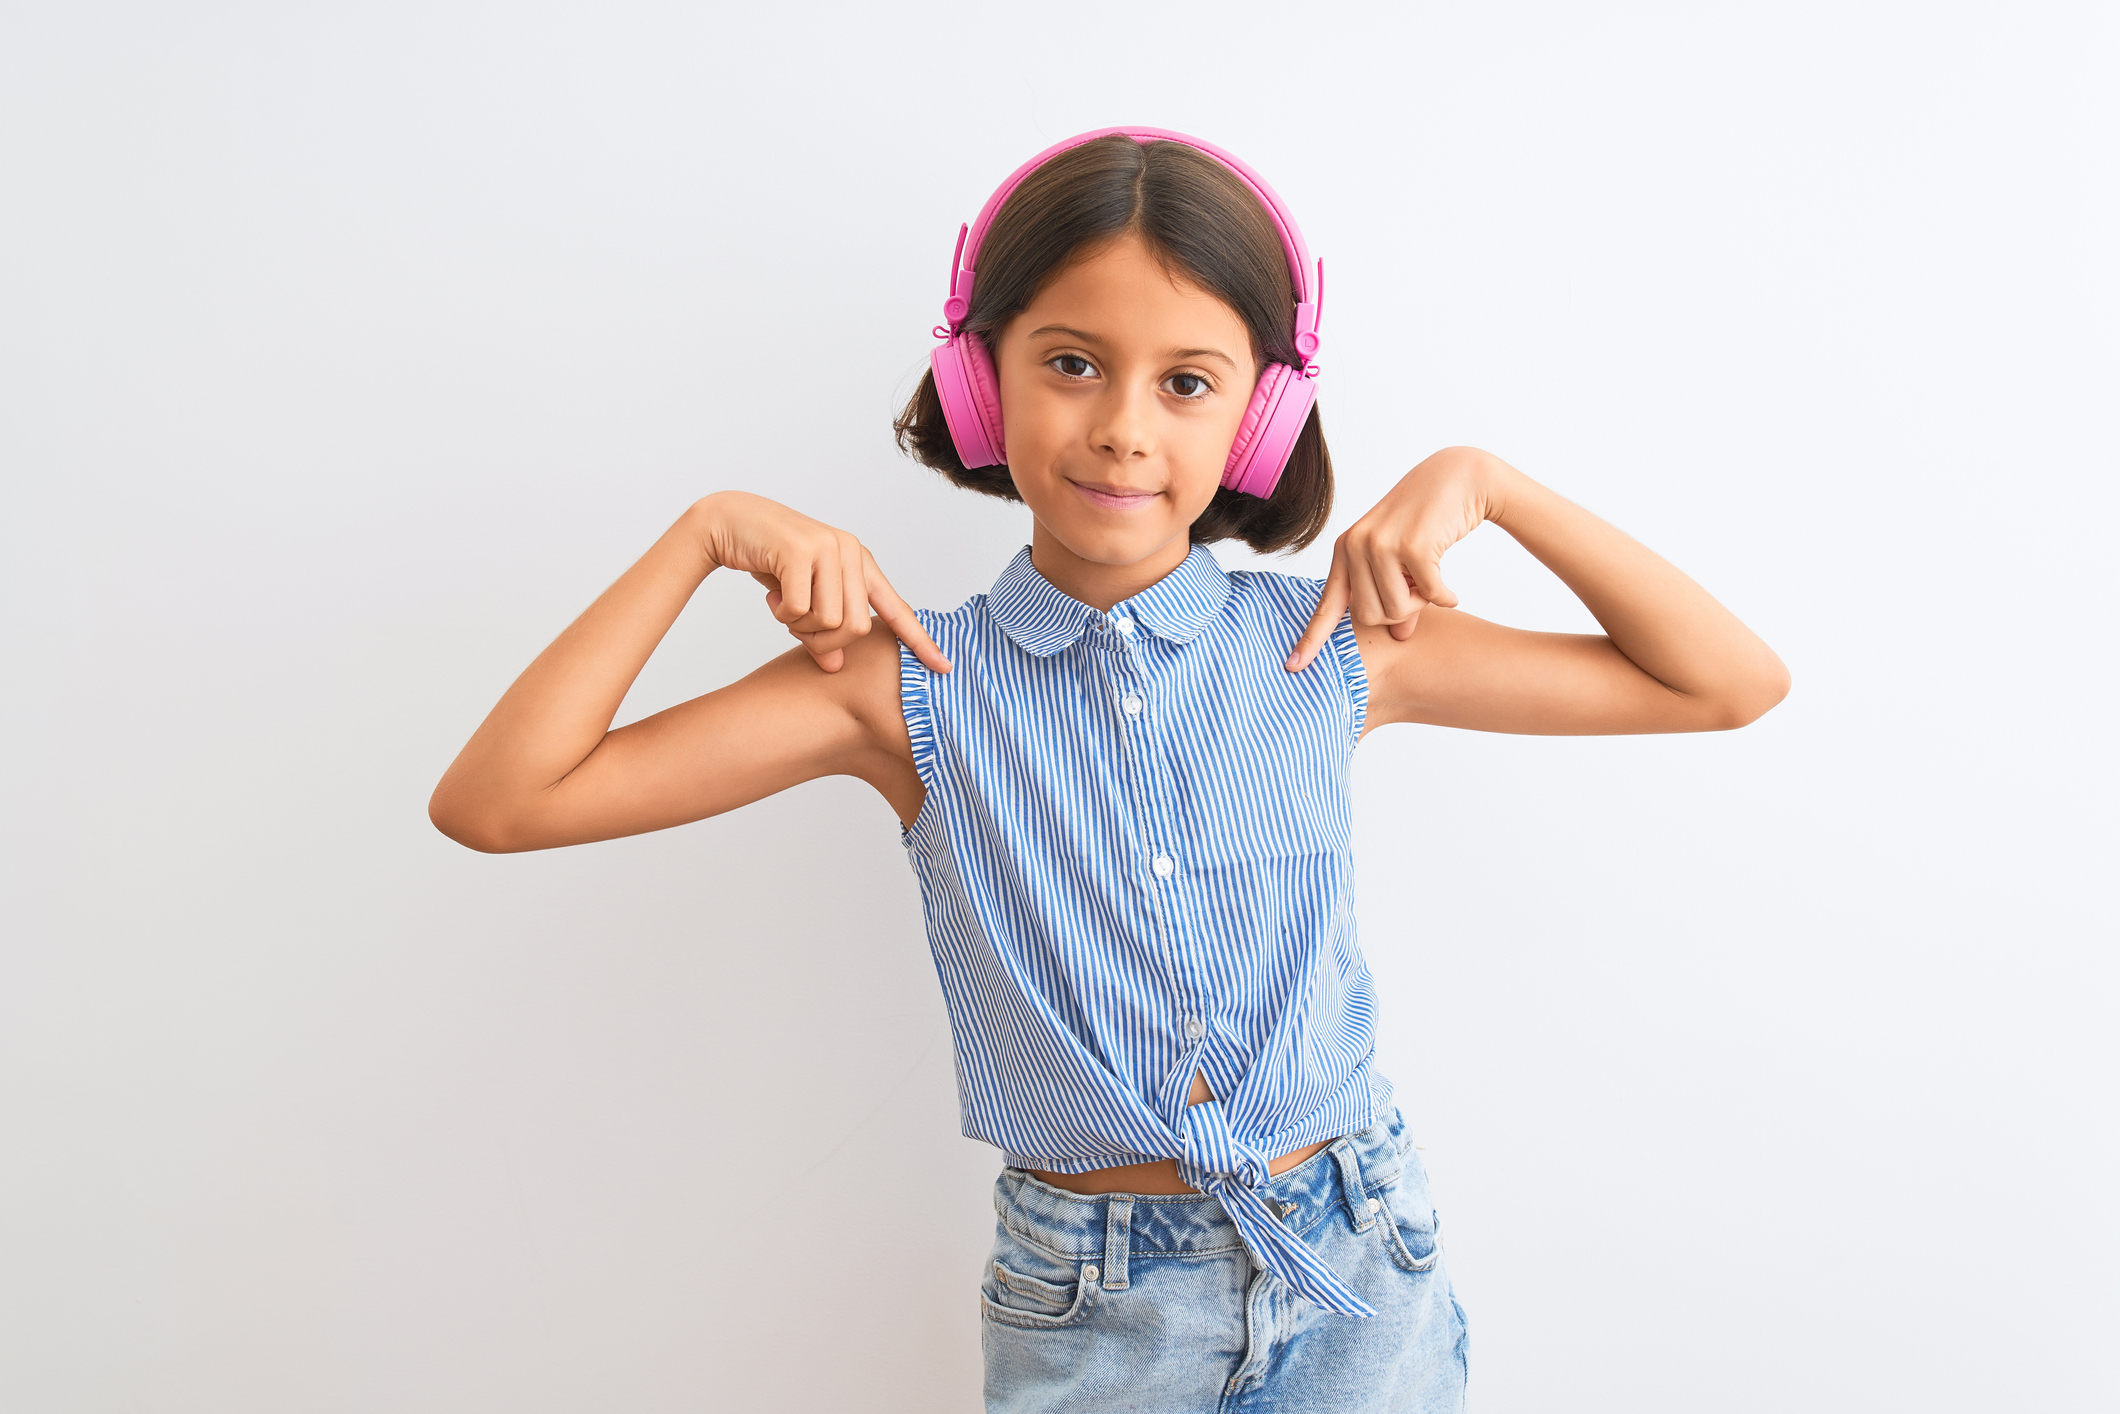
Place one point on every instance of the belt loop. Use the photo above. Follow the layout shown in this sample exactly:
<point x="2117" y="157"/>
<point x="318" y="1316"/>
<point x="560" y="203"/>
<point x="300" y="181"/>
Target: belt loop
<point x="1118" y="1238"/>
<point x="1351" y="1184"/>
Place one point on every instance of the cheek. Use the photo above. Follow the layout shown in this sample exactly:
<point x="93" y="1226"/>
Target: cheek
<point x="1203" y="475"/>
<point x="1208" y="449"/>
<point x="1216" y="444"/>
<point x="1030" y="417"/>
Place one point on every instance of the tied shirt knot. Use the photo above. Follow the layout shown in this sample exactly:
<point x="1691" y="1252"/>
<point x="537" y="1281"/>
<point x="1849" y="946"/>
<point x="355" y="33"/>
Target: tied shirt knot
<point x="1217" y="1163"/>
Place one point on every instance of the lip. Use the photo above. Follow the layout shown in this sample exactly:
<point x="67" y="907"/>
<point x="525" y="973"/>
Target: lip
<point x="1118" y="498"/>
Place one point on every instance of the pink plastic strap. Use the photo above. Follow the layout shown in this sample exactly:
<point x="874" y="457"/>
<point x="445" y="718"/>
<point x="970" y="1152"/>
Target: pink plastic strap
<point x="959" y="303"/>
<point x="1307" y="315"/>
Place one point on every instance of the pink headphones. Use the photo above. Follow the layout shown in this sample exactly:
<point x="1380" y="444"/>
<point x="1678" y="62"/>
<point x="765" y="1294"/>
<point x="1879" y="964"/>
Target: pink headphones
<point x="1280" y="404"/>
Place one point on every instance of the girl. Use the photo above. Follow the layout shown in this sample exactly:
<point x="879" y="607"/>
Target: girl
<point x="1123" y="778"/>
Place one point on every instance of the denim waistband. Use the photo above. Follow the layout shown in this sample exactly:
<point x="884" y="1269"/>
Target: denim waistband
<point x="1110" y="1227"/>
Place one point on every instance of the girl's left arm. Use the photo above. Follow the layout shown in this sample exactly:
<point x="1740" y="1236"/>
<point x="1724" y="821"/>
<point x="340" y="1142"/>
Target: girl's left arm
<point x="1671" y="659"/>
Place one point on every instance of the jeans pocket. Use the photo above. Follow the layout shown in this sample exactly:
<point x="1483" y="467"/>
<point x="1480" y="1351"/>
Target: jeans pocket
<point x="1410" y="1235"/>
<point x="1027" y="1287"/>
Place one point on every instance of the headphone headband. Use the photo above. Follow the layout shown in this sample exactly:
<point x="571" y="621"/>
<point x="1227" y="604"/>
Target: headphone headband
<point x="1309" y="292"/>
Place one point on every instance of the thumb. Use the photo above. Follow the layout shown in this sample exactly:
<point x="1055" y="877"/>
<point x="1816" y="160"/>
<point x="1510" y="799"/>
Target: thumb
<point x="829" y="659"/>
<point x="1427" y="577"/>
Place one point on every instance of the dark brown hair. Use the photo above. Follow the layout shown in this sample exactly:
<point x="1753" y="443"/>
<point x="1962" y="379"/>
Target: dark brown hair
<point x="1202" y="222"/>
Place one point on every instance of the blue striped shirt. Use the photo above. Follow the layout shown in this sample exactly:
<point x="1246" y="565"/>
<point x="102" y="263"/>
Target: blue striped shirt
<point x="1134" y="861"/>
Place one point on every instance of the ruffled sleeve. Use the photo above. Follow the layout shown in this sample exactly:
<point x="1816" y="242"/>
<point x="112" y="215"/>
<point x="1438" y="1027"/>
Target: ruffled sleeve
<point x="914" y="680"/>
<point x="1349" y="656"/>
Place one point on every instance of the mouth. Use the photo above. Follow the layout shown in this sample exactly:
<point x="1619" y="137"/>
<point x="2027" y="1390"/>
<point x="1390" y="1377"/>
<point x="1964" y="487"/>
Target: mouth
<point x="1113" y="497"/>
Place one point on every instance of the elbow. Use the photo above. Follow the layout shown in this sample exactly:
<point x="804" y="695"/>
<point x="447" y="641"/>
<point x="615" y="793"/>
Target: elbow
<point x="473" y="829"/>
<point x="1747" y="703"/>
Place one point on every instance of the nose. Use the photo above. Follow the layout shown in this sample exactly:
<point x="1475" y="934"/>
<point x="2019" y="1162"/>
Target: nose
<point x="1125" y="424"/>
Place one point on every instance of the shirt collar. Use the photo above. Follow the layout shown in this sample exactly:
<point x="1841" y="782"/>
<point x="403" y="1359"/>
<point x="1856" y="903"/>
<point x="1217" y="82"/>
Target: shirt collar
<point x="1042" y="620"/>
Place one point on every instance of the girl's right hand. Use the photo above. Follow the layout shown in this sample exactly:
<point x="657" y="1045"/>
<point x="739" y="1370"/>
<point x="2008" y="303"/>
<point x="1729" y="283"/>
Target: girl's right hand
<point x="820" y="581"/>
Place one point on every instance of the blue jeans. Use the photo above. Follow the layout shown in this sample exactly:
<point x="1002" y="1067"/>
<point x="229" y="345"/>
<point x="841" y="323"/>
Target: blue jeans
<point x="1137" y="1301"/>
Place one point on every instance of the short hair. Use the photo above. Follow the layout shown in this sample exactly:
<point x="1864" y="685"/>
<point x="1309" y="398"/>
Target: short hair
<point x="1203" y="222"/>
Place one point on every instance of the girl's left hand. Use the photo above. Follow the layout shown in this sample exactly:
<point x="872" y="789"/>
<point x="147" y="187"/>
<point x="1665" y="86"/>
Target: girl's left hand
<point x="1388" y="566"/>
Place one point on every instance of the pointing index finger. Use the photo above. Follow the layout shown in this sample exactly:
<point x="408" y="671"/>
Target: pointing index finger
<point x="898" y="614"/>
<point x="1331" y="605"/>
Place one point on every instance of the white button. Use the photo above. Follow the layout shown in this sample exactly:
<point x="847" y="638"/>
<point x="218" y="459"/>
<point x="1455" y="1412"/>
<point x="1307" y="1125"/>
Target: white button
<point x="1124" y="625"/>
<point x="1375" y="1205"/>
<point x="1132" y="706"/>
<point x="1194" y="1029"/>
<point x="1164" y="867"/>
<point x="1089" y="1273"/>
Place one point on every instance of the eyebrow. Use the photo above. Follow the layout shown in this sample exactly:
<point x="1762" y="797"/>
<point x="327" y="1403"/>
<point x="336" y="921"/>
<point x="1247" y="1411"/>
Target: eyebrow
<point x="1084" y="336"/>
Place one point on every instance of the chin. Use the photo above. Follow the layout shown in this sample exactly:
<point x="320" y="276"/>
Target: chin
<point x="1108" y="544"/>
<point x="1116" y="550"/>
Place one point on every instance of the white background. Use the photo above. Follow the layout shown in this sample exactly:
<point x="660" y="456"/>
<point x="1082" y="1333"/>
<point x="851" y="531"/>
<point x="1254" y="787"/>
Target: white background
<point x="349" y="350"/>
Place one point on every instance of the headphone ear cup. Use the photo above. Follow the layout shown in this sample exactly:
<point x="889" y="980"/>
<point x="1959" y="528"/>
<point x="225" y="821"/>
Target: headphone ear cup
<point x="1266" y="438"/>
<point x="986" y="394"/>
<point x="966" y="386"/>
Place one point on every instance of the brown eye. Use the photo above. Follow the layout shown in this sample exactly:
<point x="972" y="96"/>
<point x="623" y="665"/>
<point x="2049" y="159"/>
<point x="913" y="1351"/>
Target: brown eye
<point x="1189" y="386"/>
<point x="1071" y="366"/>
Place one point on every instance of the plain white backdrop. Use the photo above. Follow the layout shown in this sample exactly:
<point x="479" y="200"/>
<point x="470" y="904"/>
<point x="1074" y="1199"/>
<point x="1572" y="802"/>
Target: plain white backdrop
<point x="350" y="350"/>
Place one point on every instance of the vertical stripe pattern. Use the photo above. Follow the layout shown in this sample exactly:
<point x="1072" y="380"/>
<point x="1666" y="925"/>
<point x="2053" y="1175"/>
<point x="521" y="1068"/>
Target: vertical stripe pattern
<point x="1135" y="863"/>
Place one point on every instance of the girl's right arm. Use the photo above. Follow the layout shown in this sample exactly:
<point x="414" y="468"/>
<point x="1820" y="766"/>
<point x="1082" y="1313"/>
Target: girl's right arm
<point x="546" y="769"/>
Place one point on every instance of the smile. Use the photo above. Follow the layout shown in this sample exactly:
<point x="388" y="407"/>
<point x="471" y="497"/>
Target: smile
<point x="1115" y="497"/>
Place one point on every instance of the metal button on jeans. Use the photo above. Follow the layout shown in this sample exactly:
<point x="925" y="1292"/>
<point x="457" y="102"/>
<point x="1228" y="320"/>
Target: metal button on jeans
<point x="1376" y="1205"/>
<point x="1089" y="1273"/>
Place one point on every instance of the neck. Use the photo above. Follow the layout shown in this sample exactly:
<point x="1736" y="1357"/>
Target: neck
<point x="1094" y="582"/>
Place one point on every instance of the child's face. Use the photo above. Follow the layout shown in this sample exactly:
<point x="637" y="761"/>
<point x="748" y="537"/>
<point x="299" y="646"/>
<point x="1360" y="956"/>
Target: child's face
<point x="1121" y="389"/>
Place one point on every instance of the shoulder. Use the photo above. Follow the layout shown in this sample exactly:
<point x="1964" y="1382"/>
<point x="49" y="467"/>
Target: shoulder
<point x="954" y="628"/>
<point x="1281" y="598"/>
<point x="1282" y="605"/>
<point x="963" y="634"/>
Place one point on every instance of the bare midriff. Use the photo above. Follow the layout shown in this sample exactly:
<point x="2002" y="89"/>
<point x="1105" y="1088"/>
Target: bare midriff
<point x="1159" y="1175"/>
